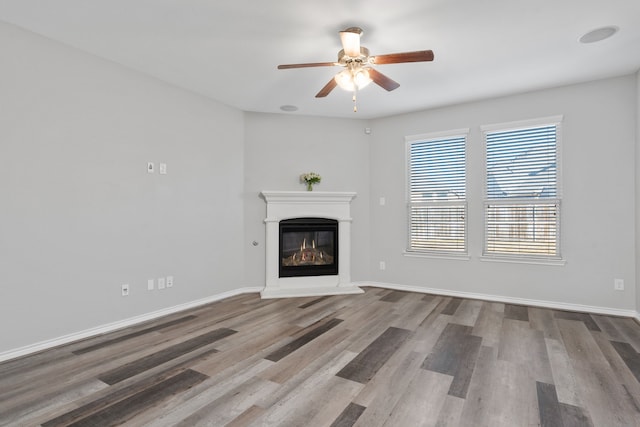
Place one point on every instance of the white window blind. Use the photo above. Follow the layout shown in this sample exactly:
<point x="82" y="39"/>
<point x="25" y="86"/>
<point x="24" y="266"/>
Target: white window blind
<point x="522" y="204"/>
<point x="437" y="194"/>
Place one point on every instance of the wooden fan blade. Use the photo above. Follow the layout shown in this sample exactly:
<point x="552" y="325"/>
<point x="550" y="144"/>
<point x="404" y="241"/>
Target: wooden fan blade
<point x="395" y="58"/>
<point x="310" y="64"/>
<point x="382" y="80"/>
<point x="327" y="89"/>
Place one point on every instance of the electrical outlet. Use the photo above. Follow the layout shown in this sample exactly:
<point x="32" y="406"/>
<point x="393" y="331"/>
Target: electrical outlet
<point x="618" y="284"/>
<point x="169" y="281"/>
<point x="161" y="283"/>
<point x="383" y="265"/>
<point x="150" y="285"/>
<point x="125" y="290"/>
<point x="163" y="168"/>
<point x="383" y="201"/>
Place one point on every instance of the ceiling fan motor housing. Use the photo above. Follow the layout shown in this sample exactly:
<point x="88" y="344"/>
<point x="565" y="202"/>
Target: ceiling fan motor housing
<point x="363" y="58"/>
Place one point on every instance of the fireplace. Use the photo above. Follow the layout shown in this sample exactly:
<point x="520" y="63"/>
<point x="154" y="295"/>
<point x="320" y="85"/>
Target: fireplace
<point x="308" y="247"/>
<point x="308" y="244"/>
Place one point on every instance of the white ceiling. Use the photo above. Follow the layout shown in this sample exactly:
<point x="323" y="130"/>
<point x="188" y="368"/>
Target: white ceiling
<point x="229" y="49"/>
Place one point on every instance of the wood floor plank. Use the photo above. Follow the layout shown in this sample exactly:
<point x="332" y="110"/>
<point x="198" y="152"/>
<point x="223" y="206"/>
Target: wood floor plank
<point x="335" y="339"/>
<point x="230" y="406"/>
<point x="550" y="413"/>
<point x="519" y="344"/>
<point x="366" y="364"/>
<point x="628" y="328"/>
<point x="450" y="412"/>
<point x="488" y="326"/>
<point x="630" y="356"/>
<point x="299" y="406"/>
<point x="542" y="319"/>
<point x="424" y="396"/>
<point x="247" y="417"/>
<point x="563" y="374"/>
<point x="452" y="306"/>
<point x="309" y="335"/>
<point x="125" y="409"/>
<point x="349" y="416"/>
<point x="216" y="387"/>
<point x="516" y="312"/>
<point x="136" y="367"/>
<point x="132" y="335"/>
<point x="500" y="394"/>
<point x="581" y="317"/>
<point x="381" y="395"/>
<point x="313" y="302"/>
<point x="394" y="296"/>
<point x="605" y="400"/>
<point x="467" y="312"/>
<point x="573" y="416"/>
<point x="619" y="368"/>
<point x="580" y="343"/>
<point x="455" y="354"/>
<point x="414" y="311"/>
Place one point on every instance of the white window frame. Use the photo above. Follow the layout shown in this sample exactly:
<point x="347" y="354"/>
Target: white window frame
<point x="443" y="253"/>
<point x="555" y="259"/>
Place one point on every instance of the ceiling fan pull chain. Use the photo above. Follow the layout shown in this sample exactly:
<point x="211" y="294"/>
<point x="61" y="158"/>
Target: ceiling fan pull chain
<point x="355" y="103"/>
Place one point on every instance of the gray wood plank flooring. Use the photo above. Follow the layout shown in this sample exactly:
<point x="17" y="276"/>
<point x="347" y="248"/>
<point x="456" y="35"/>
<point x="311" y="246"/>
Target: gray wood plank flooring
<point x="382" y="358"/>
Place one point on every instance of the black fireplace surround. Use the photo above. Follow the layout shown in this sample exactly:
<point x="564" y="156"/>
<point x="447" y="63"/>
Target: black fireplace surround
<point x="308" y="247"/>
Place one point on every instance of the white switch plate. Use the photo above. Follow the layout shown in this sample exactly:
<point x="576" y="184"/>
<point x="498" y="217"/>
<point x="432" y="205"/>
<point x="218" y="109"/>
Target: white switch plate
<point x="150" y="285"/>
<point x="161" y="283"/>
<point x="383" y="265"/>
<point x="125" y="290"/>
<point x="163" y="168"/>
<point x="618" y="284"/>
<point x="383" y="201"/>
<point x="150" y="167"/>
<point x="169" y="281"/>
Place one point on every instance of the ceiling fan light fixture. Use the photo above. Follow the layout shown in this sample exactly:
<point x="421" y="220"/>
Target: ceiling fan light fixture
<point x="361" y="78"/>
<point x="350" y="79"/>
<point x="345" y="80"/>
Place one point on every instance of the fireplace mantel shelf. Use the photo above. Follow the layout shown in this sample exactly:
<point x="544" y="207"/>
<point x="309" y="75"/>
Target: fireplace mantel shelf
<point x="283" y="205"/>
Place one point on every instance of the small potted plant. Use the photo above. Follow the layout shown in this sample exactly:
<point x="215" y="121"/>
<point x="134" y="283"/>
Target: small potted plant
<point x="310" y="178"/>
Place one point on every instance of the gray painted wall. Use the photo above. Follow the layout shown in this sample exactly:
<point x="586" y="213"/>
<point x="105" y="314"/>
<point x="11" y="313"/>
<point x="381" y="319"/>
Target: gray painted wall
<point x="80" y="216"/>
<point x="278" y="148"/>
<point x="598" y="167"/>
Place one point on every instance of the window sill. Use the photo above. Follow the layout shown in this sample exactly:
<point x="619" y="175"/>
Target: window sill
<point x="412" y="254"/>
<point x="524" y="260"/>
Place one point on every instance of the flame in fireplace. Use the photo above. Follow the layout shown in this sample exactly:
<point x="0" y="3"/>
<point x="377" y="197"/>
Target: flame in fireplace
<point x="308" y="256"/>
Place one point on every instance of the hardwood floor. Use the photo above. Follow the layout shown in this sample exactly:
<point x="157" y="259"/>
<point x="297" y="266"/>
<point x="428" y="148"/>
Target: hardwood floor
<point x="382" y="358"/>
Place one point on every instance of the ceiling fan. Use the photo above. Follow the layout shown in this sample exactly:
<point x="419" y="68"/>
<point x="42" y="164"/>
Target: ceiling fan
<point x="358" y="65"/>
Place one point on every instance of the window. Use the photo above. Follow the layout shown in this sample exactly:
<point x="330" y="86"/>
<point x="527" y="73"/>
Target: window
<point x="436" y="197"/>
<point x="522" y="194"/>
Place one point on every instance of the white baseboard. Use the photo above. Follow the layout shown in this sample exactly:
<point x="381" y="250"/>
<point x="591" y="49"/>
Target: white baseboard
<point x="508" y="300"/>
<point x="110" y="327"/>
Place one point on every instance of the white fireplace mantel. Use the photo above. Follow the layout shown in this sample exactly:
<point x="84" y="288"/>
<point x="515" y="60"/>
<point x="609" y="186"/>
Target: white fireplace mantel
<point x="283" y="205"/>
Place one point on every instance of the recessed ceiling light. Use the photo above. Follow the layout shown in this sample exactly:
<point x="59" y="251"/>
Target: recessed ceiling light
<point x="289" y="108"/>
<point x="598" y="34"/>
